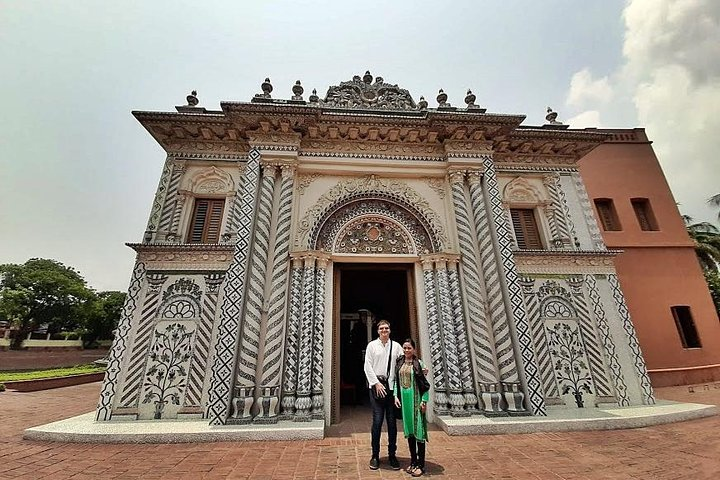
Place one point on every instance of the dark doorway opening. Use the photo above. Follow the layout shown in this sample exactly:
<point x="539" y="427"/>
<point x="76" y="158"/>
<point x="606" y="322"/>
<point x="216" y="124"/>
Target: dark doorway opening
<point x="365" y="294"/>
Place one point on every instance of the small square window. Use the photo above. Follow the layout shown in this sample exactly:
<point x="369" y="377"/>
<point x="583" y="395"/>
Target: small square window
<point x="607" y="215"/>
<point x="644" y="214"/>
<point x="686" y="326"/>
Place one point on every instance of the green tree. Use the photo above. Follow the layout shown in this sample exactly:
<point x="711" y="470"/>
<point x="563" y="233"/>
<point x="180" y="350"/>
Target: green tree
<point x="715" y="202"/>
<point x="706" y="237"/>
<point x="713" y="281"/>
<point x="38" y="292"/>
<point x="100" y="316"/>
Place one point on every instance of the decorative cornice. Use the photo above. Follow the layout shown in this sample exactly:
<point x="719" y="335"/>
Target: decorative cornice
<point x="555" y="262"/>
<point x="185" y="257"/>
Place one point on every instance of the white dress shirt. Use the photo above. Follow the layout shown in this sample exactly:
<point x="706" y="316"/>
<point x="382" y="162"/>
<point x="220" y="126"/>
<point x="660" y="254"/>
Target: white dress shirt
<point x="376" y="360"/>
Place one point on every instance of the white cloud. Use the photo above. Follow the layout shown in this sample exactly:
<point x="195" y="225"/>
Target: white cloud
<point x="584" y="90"/>
<point x="672" y="51"/>
<point x="589" y="118"/>
<point x="671" y="76"/>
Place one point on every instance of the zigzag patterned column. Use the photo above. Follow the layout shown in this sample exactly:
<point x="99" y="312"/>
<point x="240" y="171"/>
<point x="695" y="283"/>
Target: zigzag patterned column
<point x="275" y="332"/>
<point x="640" y="369"/>
<point x="303" y="402"/>
<point x="229" y="329"/>
<point x="132" y="384"/>
<point x="250" y="343"/>
<point x="436" y="347"/>
<point x="293" y="340"/>
<point x="592" y="345"/>
<point x="201" y="349"/>
<point x="481" y="336"/>
<point x="449" y="341"/>
<point x="615" y="369"/>
<point x="557" y="213"/>
<point x="119" y="346"/>
<point x="318" y="335"/>
<point x="513" y="393"/>
<point x="505" y="352"/>
<point x="171" y="198"/>
<point x="179" y="203"/>
<point x="463" y="350"/>
<point x="158" y="201"/>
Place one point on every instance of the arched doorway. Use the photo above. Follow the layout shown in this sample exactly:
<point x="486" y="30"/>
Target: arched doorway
<point x="365" y="293"/>
<point x="375" y="244"/>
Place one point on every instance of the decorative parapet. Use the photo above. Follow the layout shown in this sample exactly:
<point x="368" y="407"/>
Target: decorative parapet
<point x="565" y="262"/>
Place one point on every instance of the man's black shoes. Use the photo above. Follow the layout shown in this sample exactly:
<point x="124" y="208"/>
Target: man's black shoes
<point x="394" y="462"/>
<point x="375" y="463"/>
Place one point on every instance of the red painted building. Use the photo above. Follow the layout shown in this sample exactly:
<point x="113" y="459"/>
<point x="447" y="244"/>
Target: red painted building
<point x="668" y="299"/>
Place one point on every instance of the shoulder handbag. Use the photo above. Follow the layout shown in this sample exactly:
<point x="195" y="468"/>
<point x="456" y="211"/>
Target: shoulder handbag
<point x="385" y="380"/>
<point x="420" y="379"/>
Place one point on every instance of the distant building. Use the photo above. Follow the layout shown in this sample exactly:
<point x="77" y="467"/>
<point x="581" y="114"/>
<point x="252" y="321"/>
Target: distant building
<point x="283" y="228"/>
<point x="667" y="296"/>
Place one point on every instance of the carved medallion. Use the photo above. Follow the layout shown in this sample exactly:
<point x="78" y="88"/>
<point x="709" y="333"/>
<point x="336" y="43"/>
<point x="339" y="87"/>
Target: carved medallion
<point x="373" y="235"/>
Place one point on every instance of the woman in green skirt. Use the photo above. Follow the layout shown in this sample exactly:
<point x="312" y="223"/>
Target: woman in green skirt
<point x="411" y="390"/>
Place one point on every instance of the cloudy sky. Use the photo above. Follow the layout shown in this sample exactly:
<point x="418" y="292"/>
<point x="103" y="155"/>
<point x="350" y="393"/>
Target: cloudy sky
<point x="78" y="173"/>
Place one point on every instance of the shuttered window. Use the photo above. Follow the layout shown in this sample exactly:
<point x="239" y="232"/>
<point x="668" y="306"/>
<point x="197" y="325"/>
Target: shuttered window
<point x="607" y="215"/>
<point x="526" y="229"/>
<point x="206" y="219"/>
<point x="644" y="214"/>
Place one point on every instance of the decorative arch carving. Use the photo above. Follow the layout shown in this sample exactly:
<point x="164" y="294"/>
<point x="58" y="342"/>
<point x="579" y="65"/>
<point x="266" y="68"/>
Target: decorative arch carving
<point x="211" y="180"/>
<point x="371" y="225"/>
<point x="181" y="300"/>
<point x="520" y="190"/>
<point x="555" y="301"/>
<point x="372" y="196"/>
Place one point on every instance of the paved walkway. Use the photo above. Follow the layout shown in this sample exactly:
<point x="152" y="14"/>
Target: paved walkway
<point x="688" y="450"/>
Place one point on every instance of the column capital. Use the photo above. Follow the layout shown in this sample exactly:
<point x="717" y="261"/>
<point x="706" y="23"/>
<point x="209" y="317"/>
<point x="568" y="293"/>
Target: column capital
<point x="269" y="169"/>
<point x="287" y="170"/>
<point x="456" y="175"/>
<point x="475" y="176"/>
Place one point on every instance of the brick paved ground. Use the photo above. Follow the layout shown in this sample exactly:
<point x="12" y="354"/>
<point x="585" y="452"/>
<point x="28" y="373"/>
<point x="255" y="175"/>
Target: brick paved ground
<point x="47" y="358"/>
<point x="688" y="450"/>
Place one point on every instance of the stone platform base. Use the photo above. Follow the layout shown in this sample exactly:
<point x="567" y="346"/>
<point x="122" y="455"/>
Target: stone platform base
<point x="84" y="429"/>
<point x="562" y="419"/>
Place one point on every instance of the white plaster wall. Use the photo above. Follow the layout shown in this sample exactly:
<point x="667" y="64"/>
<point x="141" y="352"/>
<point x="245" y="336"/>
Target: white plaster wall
<point x="577" y="213"/>
<point x="626" y="358"/>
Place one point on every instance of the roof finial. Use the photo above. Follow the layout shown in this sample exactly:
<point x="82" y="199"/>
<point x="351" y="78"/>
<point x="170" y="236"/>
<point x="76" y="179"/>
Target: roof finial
<point x="470" y="99"/>
<point x="267" y="88"/>
<point x="442" y="99"/>
<point x="297" y="90"/>
<point x="192" y="99"/>
<point x="422" y="104"/>
<point x="551" y="117"/>
<point x="314" y="98"/>
<point x="367" y="78"/>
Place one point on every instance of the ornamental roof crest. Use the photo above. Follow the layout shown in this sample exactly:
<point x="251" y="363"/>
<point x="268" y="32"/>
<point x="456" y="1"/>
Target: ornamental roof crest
<point x="363" y="93"/>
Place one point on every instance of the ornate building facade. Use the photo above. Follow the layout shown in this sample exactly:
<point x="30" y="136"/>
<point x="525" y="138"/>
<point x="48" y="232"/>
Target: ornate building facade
<point x="275" y="219"/>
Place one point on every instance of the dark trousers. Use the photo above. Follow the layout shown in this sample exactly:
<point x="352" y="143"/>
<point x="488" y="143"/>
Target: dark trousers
<point x="383" y="407"/>
<point x="417" y="452"/>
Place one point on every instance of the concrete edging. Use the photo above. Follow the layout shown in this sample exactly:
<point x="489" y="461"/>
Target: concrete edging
<point x="604" y="419"/>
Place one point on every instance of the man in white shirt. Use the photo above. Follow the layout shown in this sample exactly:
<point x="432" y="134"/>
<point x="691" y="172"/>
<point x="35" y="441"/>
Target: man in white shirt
<point x="378" y="353"/>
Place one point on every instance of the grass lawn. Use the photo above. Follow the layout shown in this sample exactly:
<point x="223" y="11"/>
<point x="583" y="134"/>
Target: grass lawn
<point x="50" y="373"/>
